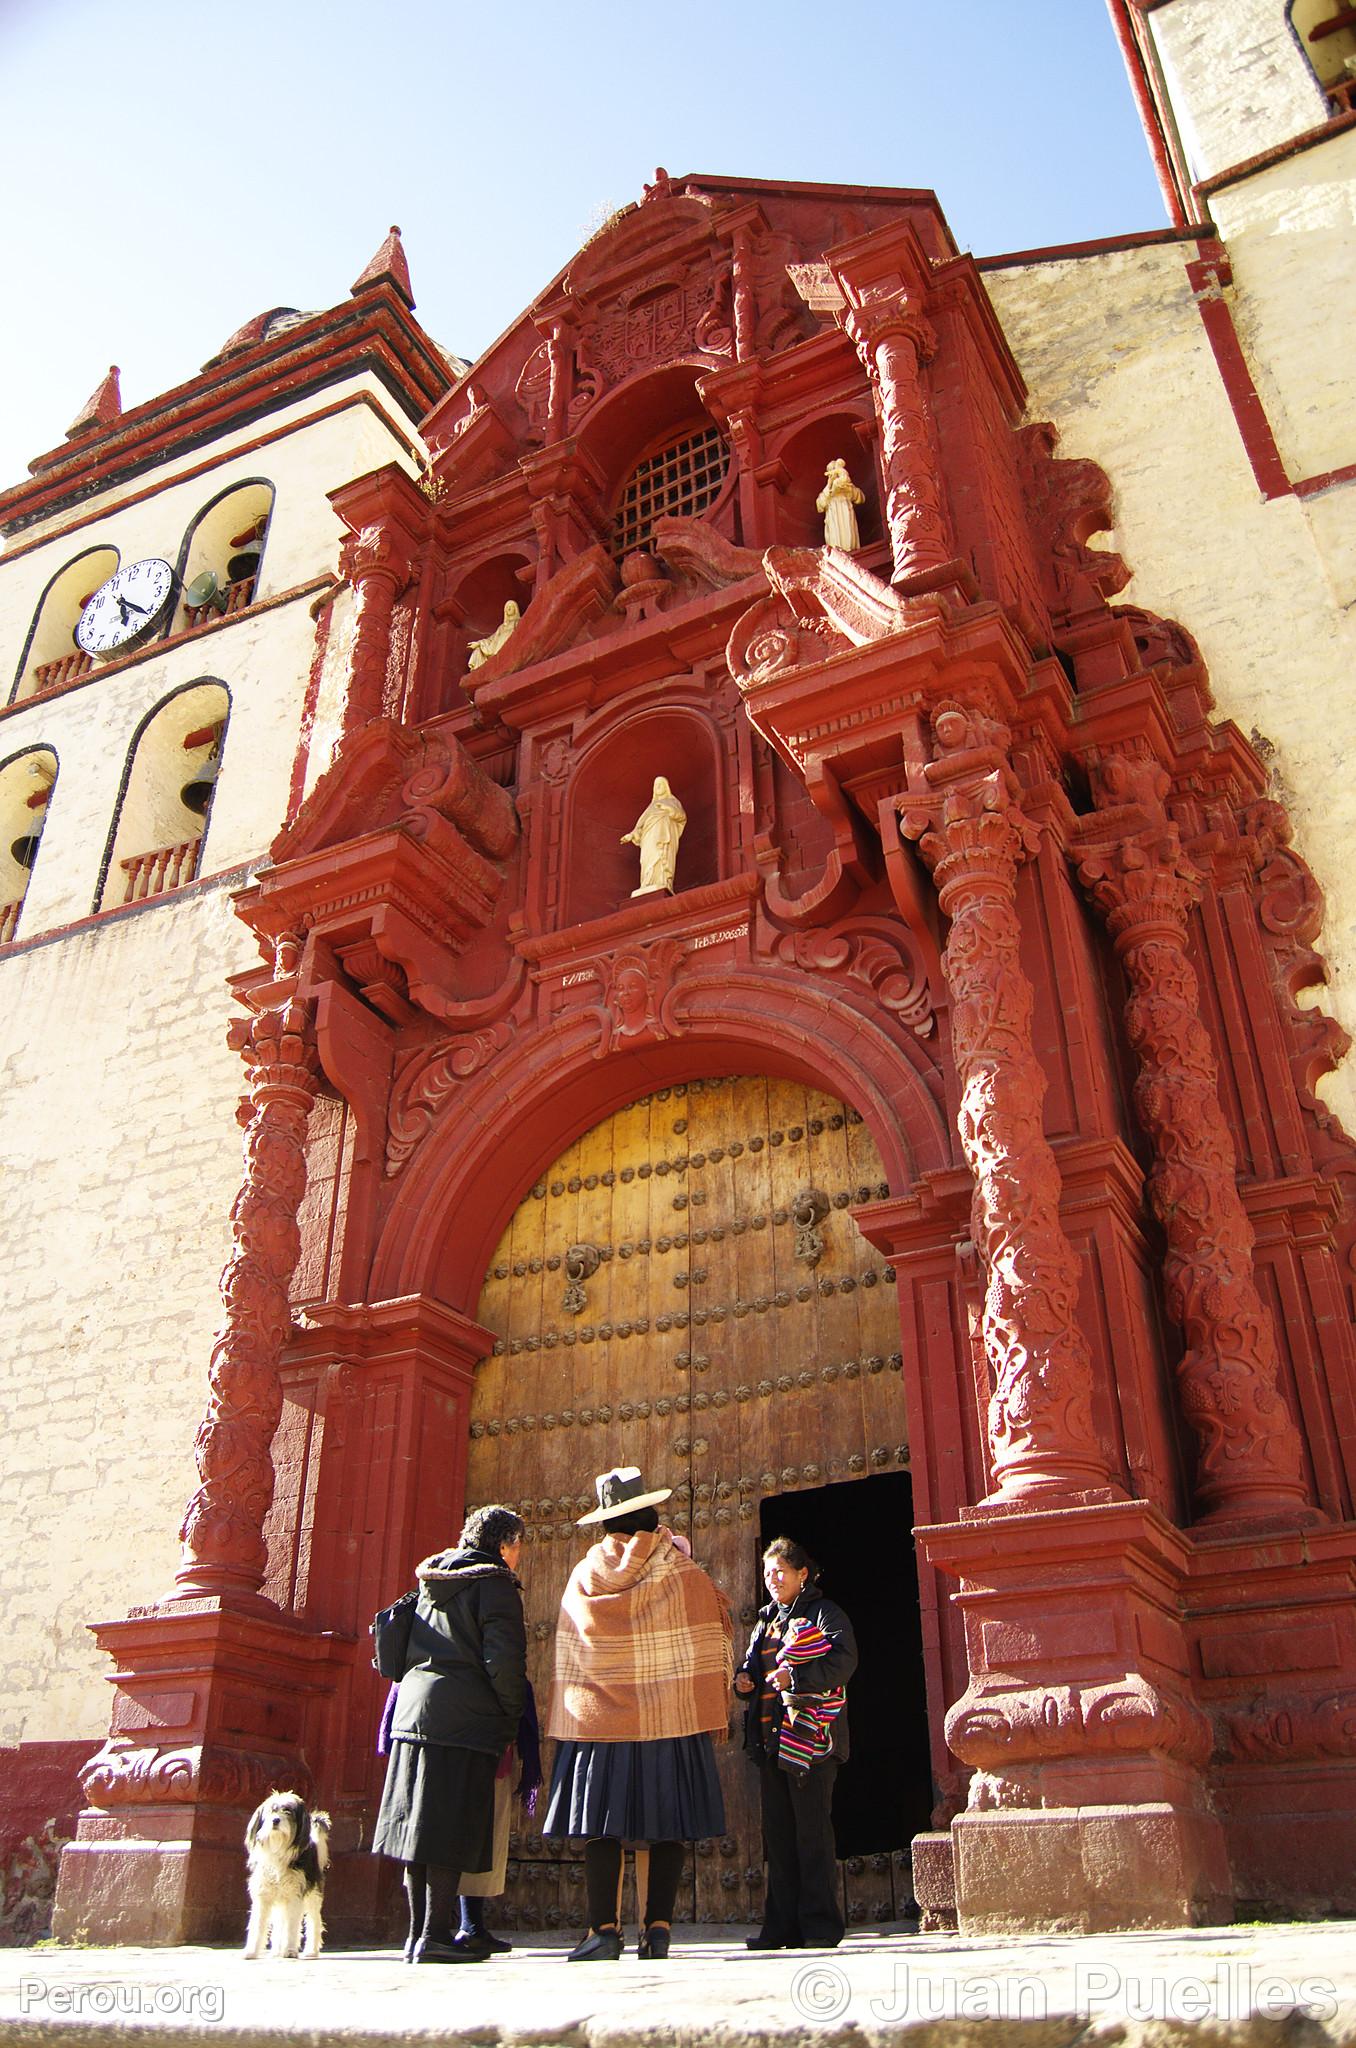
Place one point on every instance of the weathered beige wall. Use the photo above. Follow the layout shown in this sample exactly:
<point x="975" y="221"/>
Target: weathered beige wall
<point x="119" y="1150"/>
<point x="1114" y="351"/>
<point x="1238" y="80"/>
<point x="120" y="1158"/>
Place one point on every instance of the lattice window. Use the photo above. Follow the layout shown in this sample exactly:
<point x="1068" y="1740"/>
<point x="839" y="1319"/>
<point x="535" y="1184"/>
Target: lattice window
<point x="683" y="478"/>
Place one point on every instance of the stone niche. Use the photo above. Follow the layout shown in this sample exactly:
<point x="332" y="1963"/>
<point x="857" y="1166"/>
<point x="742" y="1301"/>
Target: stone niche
<point x="611" y="788"/>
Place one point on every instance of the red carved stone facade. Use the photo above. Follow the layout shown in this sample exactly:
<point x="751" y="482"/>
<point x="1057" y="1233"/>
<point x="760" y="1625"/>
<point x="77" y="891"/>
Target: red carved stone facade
<point x="1125" y="1335"/>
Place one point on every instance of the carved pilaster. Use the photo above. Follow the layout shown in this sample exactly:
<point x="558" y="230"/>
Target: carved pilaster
<point x="1249" y="1456"/>
<point x="378" y="570"/>
<point x="1041" y="1436"/>
<point x="894" y="341"/>
<point x="222" y="1532"/>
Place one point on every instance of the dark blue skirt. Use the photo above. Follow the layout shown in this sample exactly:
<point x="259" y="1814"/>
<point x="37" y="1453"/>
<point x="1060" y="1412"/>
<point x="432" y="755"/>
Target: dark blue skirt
<point x="665" y="1791"/>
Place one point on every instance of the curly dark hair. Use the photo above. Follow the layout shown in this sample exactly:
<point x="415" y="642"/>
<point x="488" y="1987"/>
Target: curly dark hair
<point x="490" y="1528"/>
<point x="792" y="1553"/>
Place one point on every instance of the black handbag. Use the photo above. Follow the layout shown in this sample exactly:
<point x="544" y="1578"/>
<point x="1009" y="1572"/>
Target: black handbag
<point x="391" y="1636"/>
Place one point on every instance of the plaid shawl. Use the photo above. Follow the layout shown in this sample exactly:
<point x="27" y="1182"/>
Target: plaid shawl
<point x="644" y="1646"/>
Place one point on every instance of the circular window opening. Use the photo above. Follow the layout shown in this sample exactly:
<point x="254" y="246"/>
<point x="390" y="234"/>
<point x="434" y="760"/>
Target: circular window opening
<point x="683" y="479"/>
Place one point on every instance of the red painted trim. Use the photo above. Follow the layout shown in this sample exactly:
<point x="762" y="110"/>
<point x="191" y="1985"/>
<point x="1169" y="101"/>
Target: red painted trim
<point x="323" y="612"/>
<point x="173" y="640"/>
<point x="1108" y="245"/>
<point x="1310" y="486"/>
<point x="107" y="509"/>
<point x="198" y="887"/>
<point x="1276" y="155"/>
<point x="1208" y="277"/>
<point x="1150" y="114"/>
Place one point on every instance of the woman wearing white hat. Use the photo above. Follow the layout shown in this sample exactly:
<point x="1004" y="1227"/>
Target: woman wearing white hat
<point x="643" y="1667"/>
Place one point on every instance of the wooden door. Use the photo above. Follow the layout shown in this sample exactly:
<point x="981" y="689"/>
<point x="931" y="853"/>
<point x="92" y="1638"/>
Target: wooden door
<point x="685" y="1292"/>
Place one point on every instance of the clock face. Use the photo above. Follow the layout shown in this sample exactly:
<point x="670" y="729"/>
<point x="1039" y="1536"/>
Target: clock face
<point x="126" y="608"/>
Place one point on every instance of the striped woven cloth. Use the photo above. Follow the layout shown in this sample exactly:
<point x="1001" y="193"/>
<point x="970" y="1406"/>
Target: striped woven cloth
<point x="807" y="1731"/>
<point x="644" y="1646"/>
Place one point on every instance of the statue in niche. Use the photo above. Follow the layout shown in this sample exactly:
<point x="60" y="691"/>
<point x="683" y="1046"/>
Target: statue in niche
<point x="837" y="501"/>
<point x="656" y="832"/>
<point x="481" y="650"/>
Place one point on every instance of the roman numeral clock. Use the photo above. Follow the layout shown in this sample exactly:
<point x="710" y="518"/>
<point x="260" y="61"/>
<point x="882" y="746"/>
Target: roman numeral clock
<point x="127" y="609"/>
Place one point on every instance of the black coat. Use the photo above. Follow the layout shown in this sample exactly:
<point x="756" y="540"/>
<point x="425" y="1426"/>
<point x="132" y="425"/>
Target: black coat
<point x="465" y="1676"/>
<point x="818" y="1674"/>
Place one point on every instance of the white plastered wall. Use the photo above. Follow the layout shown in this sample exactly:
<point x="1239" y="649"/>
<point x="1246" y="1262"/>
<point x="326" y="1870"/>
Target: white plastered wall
<point x="119" y="1150"/>
<point x="1114" y="351"/>
<point x="1238" y="81"/>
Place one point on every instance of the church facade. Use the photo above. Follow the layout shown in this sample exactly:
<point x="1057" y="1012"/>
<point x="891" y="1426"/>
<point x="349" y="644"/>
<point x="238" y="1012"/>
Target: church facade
<point x="767" y="918"/>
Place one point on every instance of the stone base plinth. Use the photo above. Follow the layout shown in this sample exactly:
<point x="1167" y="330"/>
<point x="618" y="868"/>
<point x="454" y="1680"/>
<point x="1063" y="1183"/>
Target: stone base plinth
<point x="934" y="1882"/>
<point x="151" y="1894"/>
<point x="1089" y="1869"/>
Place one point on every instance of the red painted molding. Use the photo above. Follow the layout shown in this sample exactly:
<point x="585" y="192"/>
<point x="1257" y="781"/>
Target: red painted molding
<point x="1297" y="145"/>
<point x="110" y="508"/>
<point x="1208" y="277"/>
<point x="1108" y="245"/>
<point x="1310" y="486"/>
<point x="223" y="878"/>
<point x="172" y="640"/>
<point x="1147" y="99"/>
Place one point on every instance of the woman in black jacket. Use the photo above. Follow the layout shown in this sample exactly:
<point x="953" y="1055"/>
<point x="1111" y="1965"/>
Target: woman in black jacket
<point x="795" y="1777"/>
<point x="459" y="1704"/>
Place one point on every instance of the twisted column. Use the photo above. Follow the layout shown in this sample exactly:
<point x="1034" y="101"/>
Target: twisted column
<point x="894" y="341"/>
<point x="1249" y="1459"/>
<point x="222" y="1532"/>
<point x="1042" y="1442"/>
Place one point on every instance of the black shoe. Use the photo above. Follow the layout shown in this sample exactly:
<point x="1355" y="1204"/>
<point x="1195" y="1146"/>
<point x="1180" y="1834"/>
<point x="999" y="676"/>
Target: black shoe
<point x="495" y="1943"/>
<point x="476" y="1948"/>
<point x="653" y="1946"/>
<point x="443" y="1952"/>
<point x="768" y="1941"/>
<point x="603" y="1947"/>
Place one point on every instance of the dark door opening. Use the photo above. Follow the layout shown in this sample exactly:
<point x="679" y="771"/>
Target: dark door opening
<point x="860" y="1534"/>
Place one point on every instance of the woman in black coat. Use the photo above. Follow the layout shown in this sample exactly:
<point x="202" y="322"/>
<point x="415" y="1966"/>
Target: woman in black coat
<point x="460" y="1700"/>
<point x="802" y="1909"/>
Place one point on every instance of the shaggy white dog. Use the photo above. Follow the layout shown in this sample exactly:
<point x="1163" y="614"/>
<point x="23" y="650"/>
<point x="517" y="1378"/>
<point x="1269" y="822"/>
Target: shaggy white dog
<point x="289" y="1850"/>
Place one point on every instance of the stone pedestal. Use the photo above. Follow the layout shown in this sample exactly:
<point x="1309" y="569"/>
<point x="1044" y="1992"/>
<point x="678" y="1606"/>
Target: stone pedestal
<point x="218" y="1702"/>
<point x="1088" y="1805"/>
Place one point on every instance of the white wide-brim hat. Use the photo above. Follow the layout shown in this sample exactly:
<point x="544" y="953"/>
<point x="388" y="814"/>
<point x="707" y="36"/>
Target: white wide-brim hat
<point x="621" y="1493"/>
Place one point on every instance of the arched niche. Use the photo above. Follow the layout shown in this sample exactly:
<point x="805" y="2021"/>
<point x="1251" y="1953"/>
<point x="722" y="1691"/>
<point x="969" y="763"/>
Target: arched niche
<point x="805" y="456"/>
<point x="156" y="840"/>
<point x="611" y="787"/>
<point x="226" y="537"/>
<point x="474" y="604"/>
<point x="50" y="656"/>
<point x="638" y="425"/>
<point x="26" y="784"/>
<point x="1326" y="51"/>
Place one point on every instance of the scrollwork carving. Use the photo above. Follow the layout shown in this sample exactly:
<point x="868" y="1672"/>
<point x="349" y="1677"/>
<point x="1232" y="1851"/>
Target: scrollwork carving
<point x="188" y="1774"/>
<point x="425" y="1083"/>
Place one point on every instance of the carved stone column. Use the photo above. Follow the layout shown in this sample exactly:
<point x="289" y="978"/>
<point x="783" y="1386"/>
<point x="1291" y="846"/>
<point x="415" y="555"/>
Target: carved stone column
<point x="1249" y="1455"/>
<point x="222" y="1532"/>
<point x="378" y="571"/>
<point x="894" y="341"/>
<point x="1042" y="1442"/>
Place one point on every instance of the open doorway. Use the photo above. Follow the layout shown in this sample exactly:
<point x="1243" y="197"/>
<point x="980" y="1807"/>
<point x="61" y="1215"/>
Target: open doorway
<point x="860" y="1534"/>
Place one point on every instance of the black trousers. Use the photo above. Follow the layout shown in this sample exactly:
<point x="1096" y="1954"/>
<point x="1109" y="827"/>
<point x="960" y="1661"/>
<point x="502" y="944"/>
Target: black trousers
<point x="803" y="1903"/>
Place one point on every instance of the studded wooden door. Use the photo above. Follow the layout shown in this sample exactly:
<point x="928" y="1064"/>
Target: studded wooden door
<point x="684" y="1292"/>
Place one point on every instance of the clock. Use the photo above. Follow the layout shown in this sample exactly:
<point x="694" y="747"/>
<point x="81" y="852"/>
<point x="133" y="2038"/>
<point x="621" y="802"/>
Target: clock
<point x="126" y="609"/>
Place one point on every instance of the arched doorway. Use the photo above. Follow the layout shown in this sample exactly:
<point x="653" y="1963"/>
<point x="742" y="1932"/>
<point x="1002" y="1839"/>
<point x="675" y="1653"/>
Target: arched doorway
<point x="685" y="1290"/>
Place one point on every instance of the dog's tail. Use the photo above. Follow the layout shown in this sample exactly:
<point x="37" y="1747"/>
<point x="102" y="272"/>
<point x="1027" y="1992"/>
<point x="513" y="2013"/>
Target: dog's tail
<point x="320" y="1834"/>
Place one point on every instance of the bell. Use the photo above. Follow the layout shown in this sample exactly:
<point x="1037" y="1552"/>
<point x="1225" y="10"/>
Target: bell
<point x="24" y="849"/>
<point x="196" y="793"/>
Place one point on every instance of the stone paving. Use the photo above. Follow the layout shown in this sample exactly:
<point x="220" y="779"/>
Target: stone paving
<point x="1285" y="1986"/>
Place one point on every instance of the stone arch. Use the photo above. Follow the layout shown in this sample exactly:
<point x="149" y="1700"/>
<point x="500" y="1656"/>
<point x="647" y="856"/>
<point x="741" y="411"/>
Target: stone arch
<point x="50" y="655"/>
<point x="513" y="1119"/>
<point x="151" y="822"/>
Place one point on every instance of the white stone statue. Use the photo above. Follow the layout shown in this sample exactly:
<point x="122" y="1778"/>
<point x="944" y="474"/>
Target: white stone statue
<point x="836" y="502"/>
<point x="656" y="832"/>
<point x="481" y="650"/>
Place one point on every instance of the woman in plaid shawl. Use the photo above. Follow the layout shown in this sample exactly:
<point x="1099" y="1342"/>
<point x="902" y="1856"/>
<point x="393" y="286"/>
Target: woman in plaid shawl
<point x="642" y="1682"/>
<point x="794" y="1682"/>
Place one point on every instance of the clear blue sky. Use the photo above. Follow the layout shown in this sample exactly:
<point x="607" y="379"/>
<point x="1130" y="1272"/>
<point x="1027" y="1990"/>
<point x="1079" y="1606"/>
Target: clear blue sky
<point x="167" y="172"/>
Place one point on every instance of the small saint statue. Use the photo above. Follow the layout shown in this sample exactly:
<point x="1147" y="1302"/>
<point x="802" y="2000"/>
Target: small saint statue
<point x="656" y="832"/>
<point x="481" y="650"/>
<point x="836" y="502"/>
